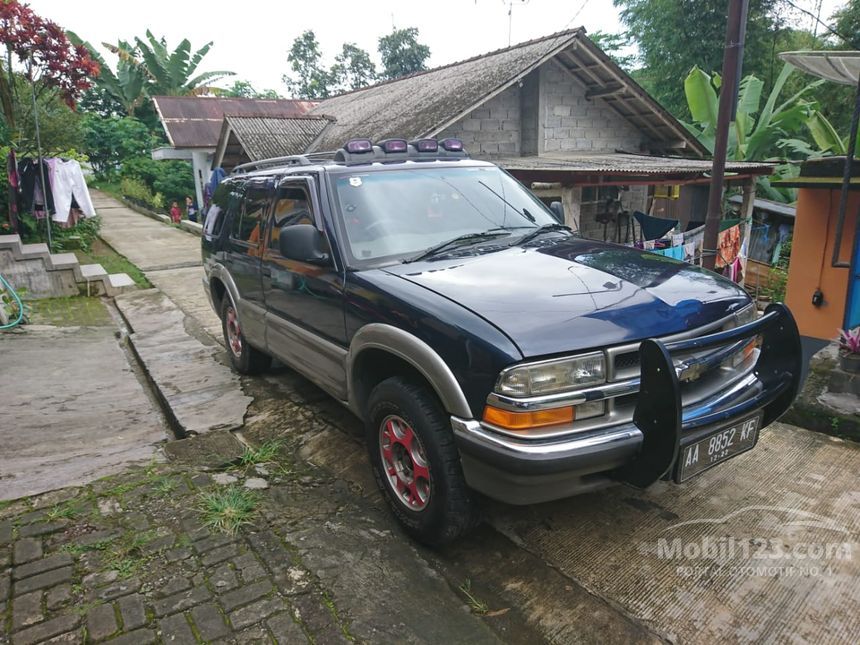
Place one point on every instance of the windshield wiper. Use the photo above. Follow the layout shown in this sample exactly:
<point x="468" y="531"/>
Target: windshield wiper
<point x="540" y="230"/>
<point x="457" y="241"/>
<point x="522" y="213"/>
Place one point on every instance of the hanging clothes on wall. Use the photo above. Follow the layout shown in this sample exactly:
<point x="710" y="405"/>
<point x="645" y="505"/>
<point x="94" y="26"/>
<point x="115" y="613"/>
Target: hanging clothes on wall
<point x="32" y="196"/>
<point x="67" y="182"/>
<point x="14" y="186"/>
<point x="728" y="245"/>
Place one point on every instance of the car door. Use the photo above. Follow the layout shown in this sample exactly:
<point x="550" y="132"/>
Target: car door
<point x="244" y="250"/>
<point x="304" y="302"/>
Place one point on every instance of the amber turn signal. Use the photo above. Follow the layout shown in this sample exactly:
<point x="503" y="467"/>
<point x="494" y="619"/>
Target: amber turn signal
<point x="526" y="420"/>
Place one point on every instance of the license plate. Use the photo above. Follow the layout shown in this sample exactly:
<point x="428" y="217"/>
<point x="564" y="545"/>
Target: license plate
<point x="718" y="446"/>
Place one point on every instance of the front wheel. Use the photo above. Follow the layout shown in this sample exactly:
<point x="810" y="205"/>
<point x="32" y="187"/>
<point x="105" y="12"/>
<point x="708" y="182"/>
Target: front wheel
<point x="416" y="463"/>
<point x="244" y="358"/>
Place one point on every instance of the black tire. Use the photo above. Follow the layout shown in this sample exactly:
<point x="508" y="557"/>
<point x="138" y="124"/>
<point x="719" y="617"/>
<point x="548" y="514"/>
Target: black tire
<point x="450" y="509"/>
<point x="244" y="358"/>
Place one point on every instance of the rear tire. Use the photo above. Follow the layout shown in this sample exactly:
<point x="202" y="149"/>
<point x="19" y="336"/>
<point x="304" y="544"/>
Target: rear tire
<point x="244" y="358"/>
<point x="416" y="463"/>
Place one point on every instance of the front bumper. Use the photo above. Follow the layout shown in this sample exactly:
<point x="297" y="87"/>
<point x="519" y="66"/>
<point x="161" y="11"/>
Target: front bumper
<point x="525" y="471"/>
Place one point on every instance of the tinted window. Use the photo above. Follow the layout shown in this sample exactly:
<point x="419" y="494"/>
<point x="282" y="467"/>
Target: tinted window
<point x="292" y="206"/>
<point x="248" y="227"/>
<point x="216" y="215"/>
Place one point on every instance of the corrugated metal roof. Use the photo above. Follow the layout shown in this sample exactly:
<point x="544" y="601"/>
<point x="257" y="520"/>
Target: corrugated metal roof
<point x="837" y="66"/>
<point x="621" y="163"/>
<point x="425" y="103"/>
<point x="195" y="121"/>
<point x="767" y="205"/>
<point x="266" y="137"/>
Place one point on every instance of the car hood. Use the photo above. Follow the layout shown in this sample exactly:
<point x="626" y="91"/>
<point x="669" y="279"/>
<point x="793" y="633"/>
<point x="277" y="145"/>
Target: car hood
<point x="573" y="294"/>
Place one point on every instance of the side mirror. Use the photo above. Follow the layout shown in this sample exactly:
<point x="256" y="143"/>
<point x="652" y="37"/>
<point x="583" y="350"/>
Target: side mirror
<point x="557" y="210"/>
<point x="303" y="242"/>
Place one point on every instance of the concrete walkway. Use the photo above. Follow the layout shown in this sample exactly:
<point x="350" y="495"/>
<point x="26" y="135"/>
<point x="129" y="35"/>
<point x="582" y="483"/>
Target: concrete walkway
<point x="170" y="257"/>
<point x="72" y="410"/>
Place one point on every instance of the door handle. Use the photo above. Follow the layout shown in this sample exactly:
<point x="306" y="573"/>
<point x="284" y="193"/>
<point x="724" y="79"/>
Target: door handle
<point x="267" y="272"/>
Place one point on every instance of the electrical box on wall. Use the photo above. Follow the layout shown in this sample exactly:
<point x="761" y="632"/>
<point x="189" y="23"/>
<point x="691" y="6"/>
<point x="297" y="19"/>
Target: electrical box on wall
<point x="667" y="192"/>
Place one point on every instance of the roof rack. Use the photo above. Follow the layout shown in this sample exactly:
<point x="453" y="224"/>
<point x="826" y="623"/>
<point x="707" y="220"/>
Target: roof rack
<point x="291" y="160"/>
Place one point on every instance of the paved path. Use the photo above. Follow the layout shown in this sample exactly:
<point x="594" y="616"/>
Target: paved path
<point x="170" y="257"/>
<point x="71" y="409"/>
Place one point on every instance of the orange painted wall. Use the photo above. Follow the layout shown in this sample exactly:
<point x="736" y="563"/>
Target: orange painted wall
<point x="811" y="253"/>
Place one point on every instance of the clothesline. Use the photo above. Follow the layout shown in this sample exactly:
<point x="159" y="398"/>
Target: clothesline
<point x="66" y="188"/>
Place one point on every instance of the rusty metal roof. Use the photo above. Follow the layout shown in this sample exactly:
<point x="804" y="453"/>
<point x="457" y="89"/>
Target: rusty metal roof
<point x="837" y="66"/>
<point x="251" y="138"/>
<point x="426" y="103"/>
<point x="195" y="121"/>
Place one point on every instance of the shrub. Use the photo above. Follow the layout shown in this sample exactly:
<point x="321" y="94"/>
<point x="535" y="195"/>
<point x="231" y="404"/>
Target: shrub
<point x="173" y="179"/>
<point x="81" y="236"/>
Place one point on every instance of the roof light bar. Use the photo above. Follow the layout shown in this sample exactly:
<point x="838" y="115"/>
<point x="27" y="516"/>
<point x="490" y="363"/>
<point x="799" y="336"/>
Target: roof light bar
<point x="426" y="145"/>
<point x="393" y="145"/>
<point x="452" y="145"/>
<point x="358" y="146"/>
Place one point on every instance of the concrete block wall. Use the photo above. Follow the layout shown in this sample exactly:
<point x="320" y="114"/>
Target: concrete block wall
<point x="493" y="129"/>
<point x="573" y="123"/>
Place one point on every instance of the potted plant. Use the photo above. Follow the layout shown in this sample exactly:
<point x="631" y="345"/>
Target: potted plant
<point x="849" y="350"/>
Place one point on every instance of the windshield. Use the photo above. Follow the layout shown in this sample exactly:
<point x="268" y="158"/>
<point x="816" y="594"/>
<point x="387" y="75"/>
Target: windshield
<point x="396" y="214"/>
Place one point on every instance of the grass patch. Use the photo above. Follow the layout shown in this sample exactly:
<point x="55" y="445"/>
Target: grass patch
<point x="65" y="511"/>
<point x="69" y="312"/>
<point x="80" y="549"/>
<point x="113" y="262"/>
<point x="228" y="509"/>
<point x="265" y="453"/>
<point x="164" y="486"/>
<point x="477" y="605"/>
<point x="126" y="555"/>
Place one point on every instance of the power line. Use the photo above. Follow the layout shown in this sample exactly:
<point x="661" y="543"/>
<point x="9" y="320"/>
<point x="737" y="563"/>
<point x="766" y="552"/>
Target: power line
<point x="576" y="15"/>
<point x="818" y="20"/>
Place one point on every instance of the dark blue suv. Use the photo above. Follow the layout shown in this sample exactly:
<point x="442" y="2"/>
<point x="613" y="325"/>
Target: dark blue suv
<point x="486" y="346"/>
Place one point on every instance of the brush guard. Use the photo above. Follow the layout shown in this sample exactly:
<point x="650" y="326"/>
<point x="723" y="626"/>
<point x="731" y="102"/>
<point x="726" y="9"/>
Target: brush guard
<point x="659" y="412"/>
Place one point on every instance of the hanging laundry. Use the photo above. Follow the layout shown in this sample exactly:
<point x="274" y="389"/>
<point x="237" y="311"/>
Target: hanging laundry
<point x="677" y="239"/>
<point x="31" y="196"/>
<point x="691" y="250"/>
<point x="728" y="246"/>
<point x="67" y="181"/>
<point x="14" y="185"/>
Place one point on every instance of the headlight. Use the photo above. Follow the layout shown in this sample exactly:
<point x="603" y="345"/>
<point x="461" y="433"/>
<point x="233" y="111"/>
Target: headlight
<point x="746" y="315"/>
<point x="553" y="376"/>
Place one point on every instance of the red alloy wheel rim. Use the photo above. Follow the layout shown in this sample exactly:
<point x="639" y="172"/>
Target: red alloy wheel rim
<point x="405" y="463"/>
<point x="234" y="334"/>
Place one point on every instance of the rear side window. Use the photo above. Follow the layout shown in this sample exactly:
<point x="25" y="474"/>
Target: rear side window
<point x="248" y="227"/>
<point x="216" y="215"/>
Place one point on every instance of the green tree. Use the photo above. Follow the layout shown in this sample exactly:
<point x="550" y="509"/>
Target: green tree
<point x="846" y="23"/>
<point x="309" y="79"/>
<point x="108" y="141"/>
<point x="674" y="35"/>
<point x="613" y="45"/>
<point x="402" y="54"/>
<point x="244" y="90"/>
<point x="170" y="73"/>
<point x="353" y="68"/>
<point x="126" y="85"/>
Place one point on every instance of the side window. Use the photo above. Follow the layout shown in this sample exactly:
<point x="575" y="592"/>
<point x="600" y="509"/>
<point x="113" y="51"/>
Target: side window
<point x="216" y="215"/>
<point x="248" y="227"/>
<point x="292" y="206"/>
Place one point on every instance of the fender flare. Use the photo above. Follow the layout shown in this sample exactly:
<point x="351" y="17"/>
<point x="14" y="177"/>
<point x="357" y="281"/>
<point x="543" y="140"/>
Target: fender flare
<point x="220" y="272"/>
<point x="418" y="354"/>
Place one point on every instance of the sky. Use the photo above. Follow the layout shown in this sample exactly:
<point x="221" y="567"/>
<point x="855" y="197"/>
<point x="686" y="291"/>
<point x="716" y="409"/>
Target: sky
<point x="252" y="37"/>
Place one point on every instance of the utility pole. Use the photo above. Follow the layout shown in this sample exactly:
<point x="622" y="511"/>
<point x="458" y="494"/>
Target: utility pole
<point x="732" y="59"/>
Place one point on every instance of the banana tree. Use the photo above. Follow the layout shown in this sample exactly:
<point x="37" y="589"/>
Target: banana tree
<point x="168" y="72"/>
<point x="126" y="85"/>
<point x="757" y="131"/>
